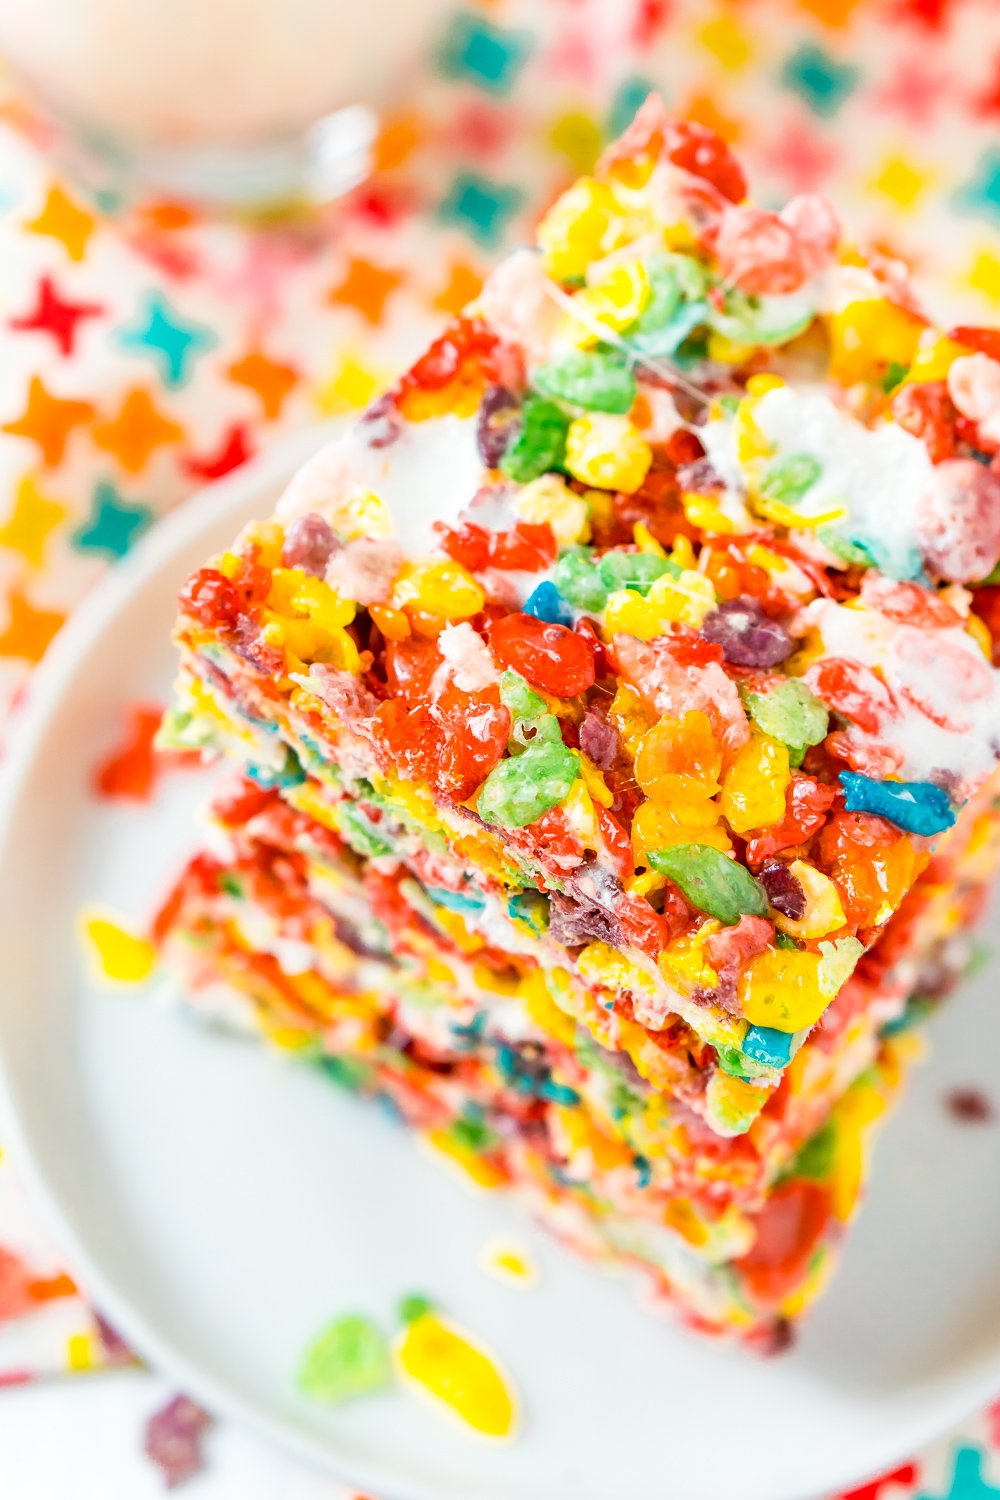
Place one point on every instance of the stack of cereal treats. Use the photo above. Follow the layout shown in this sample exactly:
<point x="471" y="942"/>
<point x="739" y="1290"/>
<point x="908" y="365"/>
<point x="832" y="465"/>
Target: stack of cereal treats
<point x="613" y="727"/>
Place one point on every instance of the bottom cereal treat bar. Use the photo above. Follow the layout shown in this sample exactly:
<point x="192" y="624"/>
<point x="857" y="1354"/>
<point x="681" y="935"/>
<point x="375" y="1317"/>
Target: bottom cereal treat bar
<point x="616" y="725"/>
<point x="359" y="967"/>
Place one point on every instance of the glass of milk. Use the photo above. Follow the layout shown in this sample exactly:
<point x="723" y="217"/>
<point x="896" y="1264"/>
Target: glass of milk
<point x="239" y="101"/>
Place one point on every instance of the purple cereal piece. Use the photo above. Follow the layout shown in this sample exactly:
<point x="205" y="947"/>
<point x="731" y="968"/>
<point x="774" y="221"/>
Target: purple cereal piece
<point x="575" y="923"/>
<point x="784" y="891"/>
<point x="495" y="423"/>
<point x="309" y="544"/>
<point x="599" y="739"/>
<point x="748" y="636"/>
<point x="173" y="1439"/>
<point x="382" y="422"/>
<point x="700" y="477"/>
<point x="113" y="1346"/>
<point x="971" y="1106"/>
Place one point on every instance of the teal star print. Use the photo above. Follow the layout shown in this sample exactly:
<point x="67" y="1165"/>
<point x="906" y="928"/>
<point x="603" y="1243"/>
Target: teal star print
<point x="982" y="194"/>
<point x="486" y="55"/>
<point x="482" y="208"/>
<point x="967" y="1480"/>
<point x="172" y="342"/>
<point x="819" y="79"/>
<point x="113" y="524"/>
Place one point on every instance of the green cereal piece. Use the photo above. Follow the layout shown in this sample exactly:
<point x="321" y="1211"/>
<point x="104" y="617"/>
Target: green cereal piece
<point x="632" y="570"/>
<point x="837" y="963"/>
<point x="789" y="711"/>
<point x="711" y="881"/>
<point x="788" y="478"/>
<point x="520" y="789"/>
<point x="540" y="444"/>
<point x="815" y="1159"/>
<point x="597" y="380"/>
<point x="515" y="695"/>
<point x="578" y="578"/>
<point x="415" y="1306"/>
<point x="350" y="1358"/>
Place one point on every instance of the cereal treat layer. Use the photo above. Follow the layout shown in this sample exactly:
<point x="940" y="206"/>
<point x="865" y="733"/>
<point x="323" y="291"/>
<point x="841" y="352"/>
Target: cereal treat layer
<point x="642" y="637"/>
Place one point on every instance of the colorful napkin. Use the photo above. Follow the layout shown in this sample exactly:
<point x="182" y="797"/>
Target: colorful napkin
<point x="149" y="347"/>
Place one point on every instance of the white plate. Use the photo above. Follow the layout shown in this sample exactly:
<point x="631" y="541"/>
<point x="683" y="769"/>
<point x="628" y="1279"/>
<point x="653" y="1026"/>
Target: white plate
<point x="222" y="1203"/>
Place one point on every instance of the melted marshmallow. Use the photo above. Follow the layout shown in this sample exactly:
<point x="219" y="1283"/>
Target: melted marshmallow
<point x="941" y="669"/>
<point x="429" y="473"/>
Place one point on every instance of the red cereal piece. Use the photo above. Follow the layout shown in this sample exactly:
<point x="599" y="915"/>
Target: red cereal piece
<point x="983" y="340"/>
<point x="788" y="1229"/>
<point x="643" y="927"/>
<point x="929" y="413"/>
<point x="853" y="691"/>
<point x="807" y="803"/>
<point x="131" y="772"/>
<point x="616" y="842"/>
<point x="527" y="547"/>
<point x="453" y="743"/>
<point x="705" y="154"/>
<point x="759" y="251"/>
<point x="550" y="657"/>
<point x="210" y="598"/>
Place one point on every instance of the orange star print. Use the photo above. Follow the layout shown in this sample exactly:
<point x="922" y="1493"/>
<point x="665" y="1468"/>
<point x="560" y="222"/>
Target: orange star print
<point x="48" y="421"/>
<point x="366" y="287"/>
<point x="137" y="431"/>
<point x="64" y="221"/>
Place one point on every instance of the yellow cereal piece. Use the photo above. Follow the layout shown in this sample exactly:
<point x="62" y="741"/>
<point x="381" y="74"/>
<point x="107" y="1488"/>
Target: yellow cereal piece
<point x="824" y="911"/>
<point x="660" y="825"/>
<point x="116" y="954"/>
<point x="441" y="1361"/>
<point x="683" y="964"/>
<point x="866" y="336"/>
<point x="607" y="451"/>
<point x="630" y="716"/>
<point x="363" y="515"/>
<point x="750" y="441"/>
<point x="599" y="963"/>
<point x="268" y="537"/>
<point x="510" y="1263"/>
<point x="645" y="883"/>
<point x="727" y="351"/>
<point x="781" y="988"/>
<point x="683" y="1218"/>
<point x="979" y="630"/>
<point x="81" y="1352"/>
<point x="614" y="303"/>
<point x="578" y="810"/>
<point x="585" y="223"/>
<point x="646" y="541"/>
<point x="733" y="1103"/>
<point x="789" y="517"/>
<point x="759" y="385"/>
<point x="679" y="760"/>
<point x="537" y="999"/>
<point x="478" y="1169"/>
<point x="753" y="789"/>
<point x="438" y="588"/>
<point x="706" y="514"/>
<point x="934" y="357"/>
<point x="683" y="553"/>
<point x="686" y="600"/>
<point x="550" y="499"/>
<point x="594" y="782"/>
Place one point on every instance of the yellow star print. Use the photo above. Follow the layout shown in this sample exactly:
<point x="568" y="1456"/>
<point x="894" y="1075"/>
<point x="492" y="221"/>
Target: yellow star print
<point x="65" y="221"/>
<point x="31" y="522"/>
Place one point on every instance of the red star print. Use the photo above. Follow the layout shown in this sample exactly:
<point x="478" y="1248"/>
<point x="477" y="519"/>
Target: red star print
<point x="912" y="92"/>
<point x="53" y="314"/>
<point x="905" y="1474"/>
<point x="131" y="771"/>
<point x="988" y="102"/>
<point x="801" y="157"/>
<point x="234" y="451"/>
<point x="480" y="129"/>
<point x="929" y="13"/>
<point x="650" y="18"/>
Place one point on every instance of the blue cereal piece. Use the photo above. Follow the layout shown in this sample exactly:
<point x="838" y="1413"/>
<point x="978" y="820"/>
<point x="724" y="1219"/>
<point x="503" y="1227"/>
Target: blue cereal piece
<point x="455" y="901"/>
<point x="546" y="603"/>
<point x="767" y="1046"/>
<point x="917" y="807"/>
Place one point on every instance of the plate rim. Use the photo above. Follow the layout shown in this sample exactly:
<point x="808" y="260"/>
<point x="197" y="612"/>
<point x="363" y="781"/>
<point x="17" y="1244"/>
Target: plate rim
<point x="206" y="506"/>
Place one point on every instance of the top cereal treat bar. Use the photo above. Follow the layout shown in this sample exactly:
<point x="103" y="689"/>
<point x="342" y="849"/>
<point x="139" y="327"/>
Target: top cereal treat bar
<point x="651" y="608"/>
